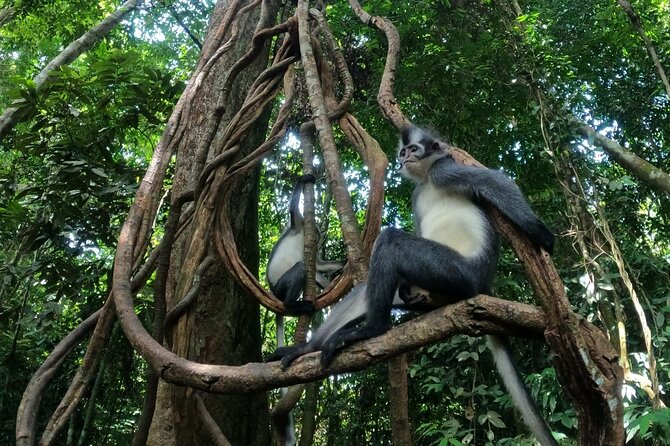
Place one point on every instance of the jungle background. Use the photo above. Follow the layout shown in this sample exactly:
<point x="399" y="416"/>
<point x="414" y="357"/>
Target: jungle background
<point x="513" y="84"/>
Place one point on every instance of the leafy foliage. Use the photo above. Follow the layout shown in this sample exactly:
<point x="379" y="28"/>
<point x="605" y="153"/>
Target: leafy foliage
<point x="468" y="69"/>
<point x="68" y="174"/>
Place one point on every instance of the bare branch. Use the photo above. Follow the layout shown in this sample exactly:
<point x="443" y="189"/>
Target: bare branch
<point x="477" y="316"/>
<point x="187" y="30"/>
<point x="26" y="417"/>
<point x="637" y="166"/>
<point x="209" y="422"/>
<point x="8" y="119"/>
<point x="385" y="97"/>
<point x="84" y="376"/>
<point x="617" y="256"/>
<point x="6" y="14"/>
<point x="191" y="296"/>
<point x="636" y="21"/>
<point x="398" y="400"/>
<point x="281" y="413"/>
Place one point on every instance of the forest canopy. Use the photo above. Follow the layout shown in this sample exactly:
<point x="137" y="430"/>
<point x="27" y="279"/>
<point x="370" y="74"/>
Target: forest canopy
<point x="192" y="119"/>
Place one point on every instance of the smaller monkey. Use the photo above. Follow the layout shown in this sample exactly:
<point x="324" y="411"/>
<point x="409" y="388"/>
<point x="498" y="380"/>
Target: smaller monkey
<point x="286" y="266"/>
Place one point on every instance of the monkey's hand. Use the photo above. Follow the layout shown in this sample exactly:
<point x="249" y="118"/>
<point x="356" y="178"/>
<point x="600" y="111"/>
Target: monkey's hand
<point x="289" y="354"/>
<point x="419" y="297"/>
<point x="299" y="308"/>
<point x="541" y="235"/>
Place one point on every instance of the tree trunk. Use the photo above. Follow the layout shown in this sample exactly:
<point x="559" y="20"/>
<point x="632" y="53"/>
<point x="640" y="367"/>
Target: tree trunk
<point x="223" y="326"/>
<point x="399" y="400"/>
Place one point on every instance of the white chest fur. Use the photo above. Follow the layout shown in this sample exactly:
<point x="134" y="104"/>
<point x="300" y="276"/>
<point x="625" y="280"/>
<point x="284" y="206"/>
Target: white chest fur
<point x="451" y="219"/>
<point x="289" y="252"/>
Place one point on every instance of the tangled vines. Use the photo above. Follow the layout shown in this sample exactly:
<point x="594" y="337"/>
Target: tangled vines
<point x="584" y="359"/>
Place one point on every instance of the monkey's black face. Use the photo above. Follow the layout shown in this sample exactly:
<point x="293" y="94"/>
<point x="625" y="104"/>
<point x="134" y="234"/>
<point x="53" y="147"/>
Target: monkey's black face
<point x="410" y="153"/>
<point x="415" y="151"/>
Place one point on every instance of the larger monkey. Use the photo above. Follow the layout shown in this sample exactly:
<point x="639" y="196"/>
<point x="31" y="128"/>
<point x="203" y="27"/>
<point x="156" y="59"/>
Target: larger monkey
<point x="453" y="256"/>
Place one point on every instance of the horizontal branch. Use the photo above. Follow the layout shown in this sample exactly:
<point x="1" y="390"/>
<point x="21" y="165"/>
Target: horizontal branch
<point x="478" y="316"/>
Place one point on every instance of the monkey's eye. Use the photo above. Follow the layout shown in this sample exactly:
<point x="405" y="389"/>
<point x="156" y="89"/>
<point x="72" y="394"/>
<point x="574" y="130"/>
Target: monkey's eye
<point x="412" y="148"/>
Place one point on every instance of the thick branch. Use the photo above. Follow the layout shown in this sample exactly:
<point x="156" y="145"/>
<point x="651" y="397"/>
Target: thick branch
<point x="637" y="166"/>
<point x="477" y="316"/>
<point x="70" y="53"/>
<point x="585" y="361"/>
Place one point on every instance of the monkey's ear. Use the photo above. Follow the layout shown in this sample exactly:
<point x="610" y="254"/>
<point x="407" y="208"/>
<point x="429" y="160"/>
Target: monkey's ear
<point x="445" y="145"/>
<point x="435" y="146"/>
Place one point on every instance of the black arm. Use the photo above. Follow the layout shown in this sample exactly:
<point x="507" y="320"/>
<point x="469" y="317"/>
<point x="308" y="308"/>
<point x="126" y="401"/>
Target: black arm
<point x="496" y="188"/>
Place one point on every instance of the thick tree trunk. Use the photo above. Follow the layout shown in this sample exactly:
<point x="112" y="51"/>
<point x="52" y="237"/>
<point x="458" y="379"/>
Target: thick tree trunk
<point x="223" y="327"/>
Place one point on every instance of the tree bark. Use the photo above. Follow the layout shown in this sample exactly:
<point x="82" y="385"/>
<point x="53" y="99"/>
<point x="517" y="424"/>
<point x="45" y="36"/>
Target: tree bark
<point x="398" y="395"/>
<point x="223" y="325"/>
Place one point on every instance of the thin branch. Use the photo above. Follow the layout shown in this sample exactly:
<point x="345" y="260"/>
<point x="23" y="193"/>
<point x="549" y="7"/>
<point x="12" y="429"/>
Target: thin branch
<point x="210" y="424"/>
<point x="6" y="14"/>
<point x="386" y="99"/>
<point x="632" y="163"/>
<point x="636" y="21"/>
<point x="95" y="392"/>
<point x="26" y="416"/>
<point x="628" y="283"/>
<point x="178" y="19"/>
<point x="192" y="294"/>
<point x="84" y="376"/>
<point x="8" y="119"/>
<point x="281" y="413"/>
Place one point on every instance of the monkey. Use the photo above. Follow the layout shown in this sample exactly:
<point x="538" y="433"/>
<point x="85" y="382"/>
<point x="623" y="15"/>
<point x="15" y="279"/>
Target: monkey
<point x="286" y="266"/>
<point x="286" y="276"/>
<point x="453" y="256"/>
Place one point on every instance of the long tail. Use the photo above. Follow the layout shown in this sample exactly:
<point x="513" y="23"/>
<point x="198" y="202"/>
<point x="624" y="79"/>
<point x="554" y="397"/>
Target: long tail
<point x="289" y="434"/>
<point x="518" y="390"/>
